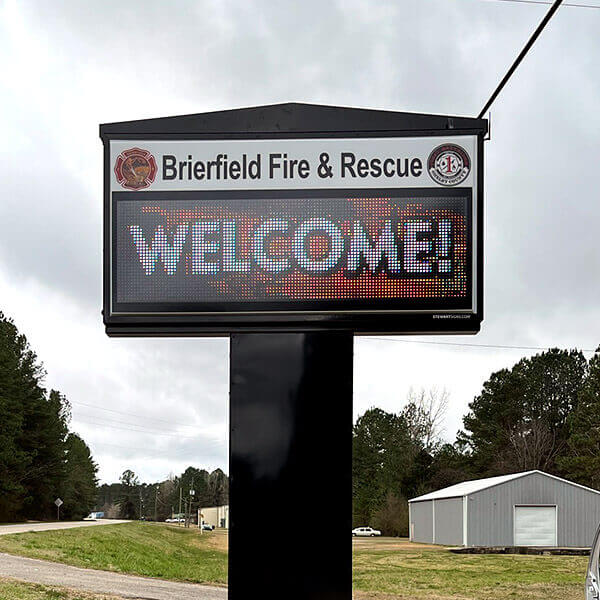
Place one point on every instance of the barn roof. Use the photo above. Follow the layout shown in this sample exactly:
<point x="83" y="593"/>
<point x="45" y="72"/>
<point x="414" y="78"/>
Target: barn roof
<point x="467" y="488"/>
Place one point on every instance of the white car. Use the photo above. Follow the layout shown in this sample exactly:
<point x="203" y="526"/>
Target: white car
<point x="365" y="532"/>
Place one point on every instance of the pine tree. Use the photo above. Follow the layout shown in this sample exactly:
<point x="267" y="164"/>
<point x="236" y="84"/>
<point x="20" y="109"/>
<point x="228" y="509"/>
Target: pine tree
<point x="14" y="460"/>
<point x="45" y="433"/>
<point x="34" y="444"/>
<point x="582" y="461"/>
<point x="519" y="421"/>
<point x="79" y="487"/>
<point x="129" y="499"/>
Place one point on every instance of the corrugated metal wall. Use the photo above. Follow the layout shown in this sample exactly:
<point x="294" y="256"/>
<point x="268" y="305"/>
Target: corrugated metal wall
<point x="449" y="522"/>
<point x="421" y="521"/>
<point x="491" y="511"/>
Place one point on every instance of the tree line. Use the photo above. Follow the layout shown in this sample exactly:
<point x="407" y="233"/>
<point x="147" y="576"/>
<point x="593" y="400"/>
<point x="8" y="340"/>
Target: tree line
<point x="40" y="459"/>
<point x="542" y="413"/>
<point x="183" y="494"/>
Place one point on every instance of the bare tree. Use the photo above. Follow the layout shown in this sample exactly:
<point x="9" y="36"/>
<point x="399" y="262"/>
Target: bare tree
<point x="532" y="444"/>
<point x="424" y="414"/>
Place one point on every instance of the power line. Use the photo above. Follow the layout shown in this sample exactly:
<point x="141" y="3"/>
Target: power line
<point x="94" y="420"/>
<point x="521" y="56"/>
<point x="137" y="416"/>
<point x="104" y="419"/>
<point x="140" y="427"/>
<point x="145" y="431"/>
<point x="118" y="446"/>
<point x="546" y="2"/>
<point x="468" y="345"/>
<point x="162" y="454"/>
<point x="132" y="448"/>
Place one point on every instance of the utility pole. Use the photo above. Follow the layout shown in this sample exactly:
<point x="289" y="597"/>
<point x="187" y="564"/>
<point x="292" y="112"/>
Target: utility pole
<point x="188" y="516"/>
<point x="140" y="504"/>
<point x="156" y="505"/>
<point x="180" y="500"/>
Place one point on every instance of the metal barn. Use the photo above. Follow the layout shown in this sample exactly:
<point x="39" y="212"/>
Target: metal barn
<point x="522" y="509"/>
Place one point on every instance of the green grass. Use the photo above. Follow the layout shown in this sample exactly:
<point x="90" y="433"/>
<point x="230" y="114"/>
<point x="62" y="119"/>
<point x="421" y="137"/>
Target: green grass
<point x="436" y="574"/>
<point x="151" y="550"/>
<point x="385" y="569"/>
<point x="16" y="590"/>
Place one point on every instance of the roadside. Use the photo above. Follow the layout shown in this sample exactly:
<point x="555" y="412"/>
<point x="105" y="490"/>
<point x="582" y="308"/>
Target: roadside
<point x="102" y="582"/>
<point x="11" y="589"/>
<point x="135" y="548"/>
<point x="53" y="526"/>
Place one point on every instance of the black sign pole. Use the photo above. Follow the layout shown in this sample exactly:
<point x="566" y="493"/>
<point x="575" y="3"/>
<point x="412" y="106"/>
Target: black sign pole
<point x="291" y="466"/>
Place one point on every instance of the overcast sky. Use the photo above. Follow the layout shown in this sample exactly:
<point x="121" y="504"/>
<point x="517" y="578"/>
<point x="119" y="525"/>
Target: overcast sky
<point x="156" y="406"/>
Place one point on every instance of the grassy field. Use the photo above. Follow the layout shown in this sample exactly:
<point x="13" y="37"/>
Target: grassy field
<point x="394" y="569"/>
<point x="384" y="569"/>
<point x="14" y="590"/>
<point x="147" y="549"/>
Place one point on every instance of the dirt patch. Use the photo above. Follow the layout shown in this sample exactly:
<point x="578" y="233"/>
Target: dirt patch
<point x="383" y="543"/>
<point x="217" y="539"/>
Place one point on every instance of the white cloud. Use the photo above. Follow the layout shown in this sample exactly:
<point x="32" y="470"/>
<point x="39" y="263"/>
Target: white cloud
<point x="68" y="66"/>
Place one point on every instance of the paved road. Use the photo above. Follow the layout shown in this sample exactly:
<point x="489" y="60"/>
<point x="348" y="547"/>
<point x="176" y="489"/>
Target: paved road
<point x="103" y="582"/>
<point x="24" y="527"/>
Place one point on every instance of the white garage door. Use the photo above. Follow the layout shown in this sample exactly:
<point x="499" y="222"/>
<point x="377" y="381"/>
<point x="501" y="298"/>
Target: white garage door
<point x="535" y="526"/>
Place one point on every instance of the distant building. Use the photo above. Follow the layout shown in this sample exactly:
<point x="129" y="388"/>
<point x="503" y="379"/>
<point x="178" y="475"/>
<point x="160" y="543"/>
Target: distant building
<point x="217" y="516"/>
<point x="522" y="509"/>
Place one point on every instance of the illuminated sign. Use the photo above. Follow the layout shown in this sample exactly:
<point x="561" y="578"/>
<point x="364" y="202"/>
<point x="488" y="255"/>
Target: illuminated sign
<point x="389" y="249"/>
<point x="364" y="233"/>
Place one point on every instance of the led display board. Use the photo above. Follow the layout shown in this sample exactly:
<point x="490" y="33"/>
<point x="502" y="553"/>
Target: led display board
<point x="209" y="234"/>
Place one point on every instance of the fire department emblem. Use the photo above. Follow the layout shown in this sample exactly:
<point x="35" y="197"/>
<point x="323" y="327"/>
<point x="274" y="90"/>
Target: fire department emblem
<point x="135" y="169"/>
<point x="449" y="165"/>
